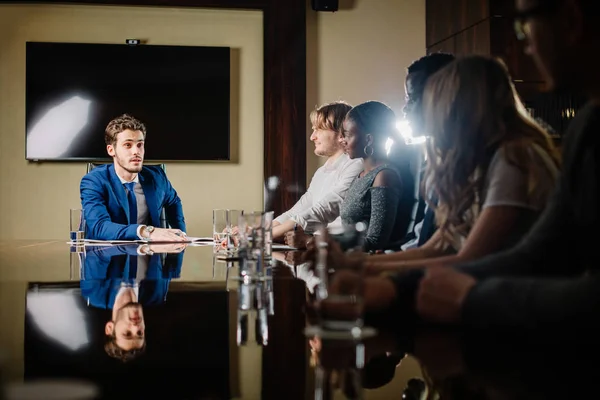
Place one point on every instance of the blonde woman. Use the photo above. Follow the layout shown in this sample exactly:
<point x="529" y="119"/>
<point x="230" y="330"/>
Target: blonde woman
<point x="490" y="165"/>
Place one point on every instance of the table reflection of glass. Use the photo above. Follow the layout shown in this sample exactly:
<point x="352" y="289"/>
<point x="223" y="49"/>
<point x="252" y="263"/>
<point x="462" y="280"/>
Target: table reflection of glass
<point x="254" y="305"/>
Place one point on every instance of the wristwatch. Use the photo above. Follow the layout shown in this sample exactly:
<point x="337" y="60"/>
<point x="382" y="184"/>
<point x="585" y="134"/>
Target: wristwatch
<point x="149" y="229"/>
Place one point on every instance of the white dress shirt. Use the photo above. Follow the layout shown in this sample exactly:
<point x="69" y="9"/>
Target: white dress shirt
<point x="140" y="198"/>
<point x="321" y="203"/>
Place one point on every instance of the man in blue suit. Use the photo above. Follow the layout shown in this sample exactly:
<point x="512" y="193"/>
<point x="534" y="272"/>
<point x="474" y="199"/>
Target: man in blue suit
<point x="107" y="268"/>
<point x="124" y="279"/>
<point x="123" y="201"/>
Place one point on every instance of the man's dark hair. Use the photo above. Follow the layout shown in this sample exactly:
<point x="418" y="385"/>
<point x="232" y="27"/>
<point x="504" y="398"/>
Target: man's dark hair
<point x="113" y="350"/>
<point x="431" y="63"/>
<point x="120" y="124"/>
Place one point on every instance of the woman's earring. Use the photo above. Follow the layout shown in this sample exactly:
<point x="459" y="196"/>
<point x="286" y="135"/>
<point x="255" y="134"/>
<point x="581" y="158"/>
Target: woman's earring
<point x="368" y="153"/>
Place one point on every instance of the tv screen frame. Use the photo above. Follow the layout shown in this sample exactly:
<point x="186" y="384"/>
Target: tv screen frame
<point x="215" y="147"/>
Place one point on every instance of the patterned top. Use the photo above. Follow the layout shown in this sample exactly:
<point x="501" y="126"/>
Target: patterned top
<point x="382" y="208"/>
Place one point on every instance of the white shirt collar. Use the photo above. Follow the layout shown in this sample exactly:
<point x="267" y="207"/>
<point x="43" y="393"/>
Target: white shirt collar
<point x="332" y="165"/>
<point x="136" y="179"/>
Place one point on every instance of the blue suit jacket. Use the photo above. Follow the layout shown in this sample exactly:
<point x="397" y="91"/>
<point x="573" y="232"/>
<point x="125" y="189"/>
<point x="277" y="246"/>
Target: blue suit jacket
<point x="106" y="267"/>
<point x="106" y="209"/>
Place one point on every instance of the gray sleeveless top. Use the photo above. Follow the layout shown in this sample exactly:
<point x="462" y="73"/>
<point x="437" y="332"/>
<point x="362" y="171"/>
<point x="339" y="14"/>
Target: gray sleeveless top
<point x="381" y="208"/>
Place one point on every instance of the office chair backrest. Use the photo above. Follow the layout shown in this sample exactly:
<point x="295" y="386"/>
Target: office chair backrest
<point x="91" y="166"/>
<point x="409" y="161"/>
<point x="411" y="157"/>
<point x="163" y="217"/>
<point x="418" y="170"/>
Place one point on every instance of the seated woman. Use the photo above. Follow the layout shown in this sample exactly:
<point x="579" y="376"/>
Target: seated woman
<point x="491" y="167"/>
<point x="377" y="196"/>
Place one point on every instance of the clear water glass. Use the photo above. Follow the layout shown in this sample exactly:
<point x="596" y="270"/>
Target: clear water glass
<point x="220" y="228"/>
<point x="233" y="222"/>
<point x="77" y="234"/>
<point x="267" y="224"/>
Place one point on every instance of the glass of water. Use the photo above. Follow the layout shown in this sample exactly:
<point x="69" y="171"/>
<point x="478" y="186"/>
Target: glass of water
<point x="77" y="225"/>
<point x="220" y="228"/>
<point x="267" y="224"/>
<point x="252" y="237"/>
<point x="233" y="221"/>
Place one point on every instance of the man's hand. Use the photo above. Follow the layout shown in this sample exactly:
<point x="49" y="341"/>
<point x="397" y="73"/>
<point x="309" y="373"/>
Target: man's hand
<point x="442" y="293"/>
<point x="297" y="238"/>
<point x="168" y="235"/>
<point x="163" y="248"/>
<point x="291" y="258"/>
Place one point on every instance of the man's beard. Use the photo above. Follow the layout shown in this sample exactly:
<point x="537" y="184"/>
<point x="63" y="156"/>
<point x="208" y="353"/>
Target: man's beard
<point x="128" y="306"/>
<point x="129" y="169"/>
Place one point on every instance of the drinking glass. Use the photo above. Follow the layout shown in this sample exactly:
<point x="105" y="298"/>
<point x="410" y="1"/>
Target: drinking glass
<point x="220" y="267"/>
<point x="77" y="225"/>
<point x="233" y="221"/>
<point x="220" y="227"/>
<point x="267" y="224"/>
<point x="77" y="261"/>
<point x="252" y="258"/>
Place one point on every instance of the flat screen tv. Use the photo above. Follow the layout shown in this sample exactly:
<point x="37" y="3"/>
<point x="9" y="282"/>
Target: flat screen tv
<point x="181" y="94"/>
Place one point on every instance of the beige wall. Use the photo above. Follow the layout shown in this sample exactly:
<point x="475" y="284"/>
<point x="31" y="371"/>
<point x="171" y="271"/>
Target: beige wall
<point x="360" y="53"/>
<point x="35" y="198"/>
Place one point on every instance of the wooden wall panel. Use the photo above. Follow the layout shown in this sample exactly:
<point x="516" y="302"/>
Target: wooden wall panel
<point x="504" y="44"/>
<point x="486" y="27"/>
<point x="285" y="100"/>
<point x="447" y="46"/>
<point x="529" y="91"/>
<point x="446" y="18"/>
<point x="501" y="7"/>
<point x="475" y="40"/>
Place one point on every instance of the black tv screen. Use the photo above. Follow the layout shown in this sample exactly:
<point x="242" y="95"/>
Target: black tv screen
<point x="181" y="94"/>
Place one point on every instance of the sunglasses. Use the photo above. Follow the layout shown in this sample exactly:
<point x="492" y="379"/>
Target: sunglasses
<point x="522" y="18"/>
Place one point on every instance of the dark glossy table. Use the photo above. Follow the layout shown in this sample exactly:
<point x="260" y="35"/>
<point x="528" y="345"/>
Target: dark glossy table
<point x="202" y="341"/>
<point x="199" y="344"/>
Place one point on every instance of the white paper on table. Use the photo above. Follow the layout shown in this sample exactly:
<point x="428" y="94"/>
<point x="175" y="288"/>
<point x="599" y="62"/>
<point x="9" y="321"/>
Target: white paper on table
<point x="282" y="247"/>
<point x="191" y="239"/>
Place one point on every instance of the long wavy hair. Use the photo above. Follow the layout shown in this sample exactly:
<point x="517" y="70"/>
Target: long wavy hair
<point x="472" y="110"/>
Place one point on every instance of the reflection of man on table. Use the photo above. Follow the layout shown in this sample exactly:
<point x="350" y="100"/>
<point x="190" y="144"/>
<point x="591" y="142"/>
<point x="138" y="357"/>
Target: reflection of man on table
<point x="123" y="278"/>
